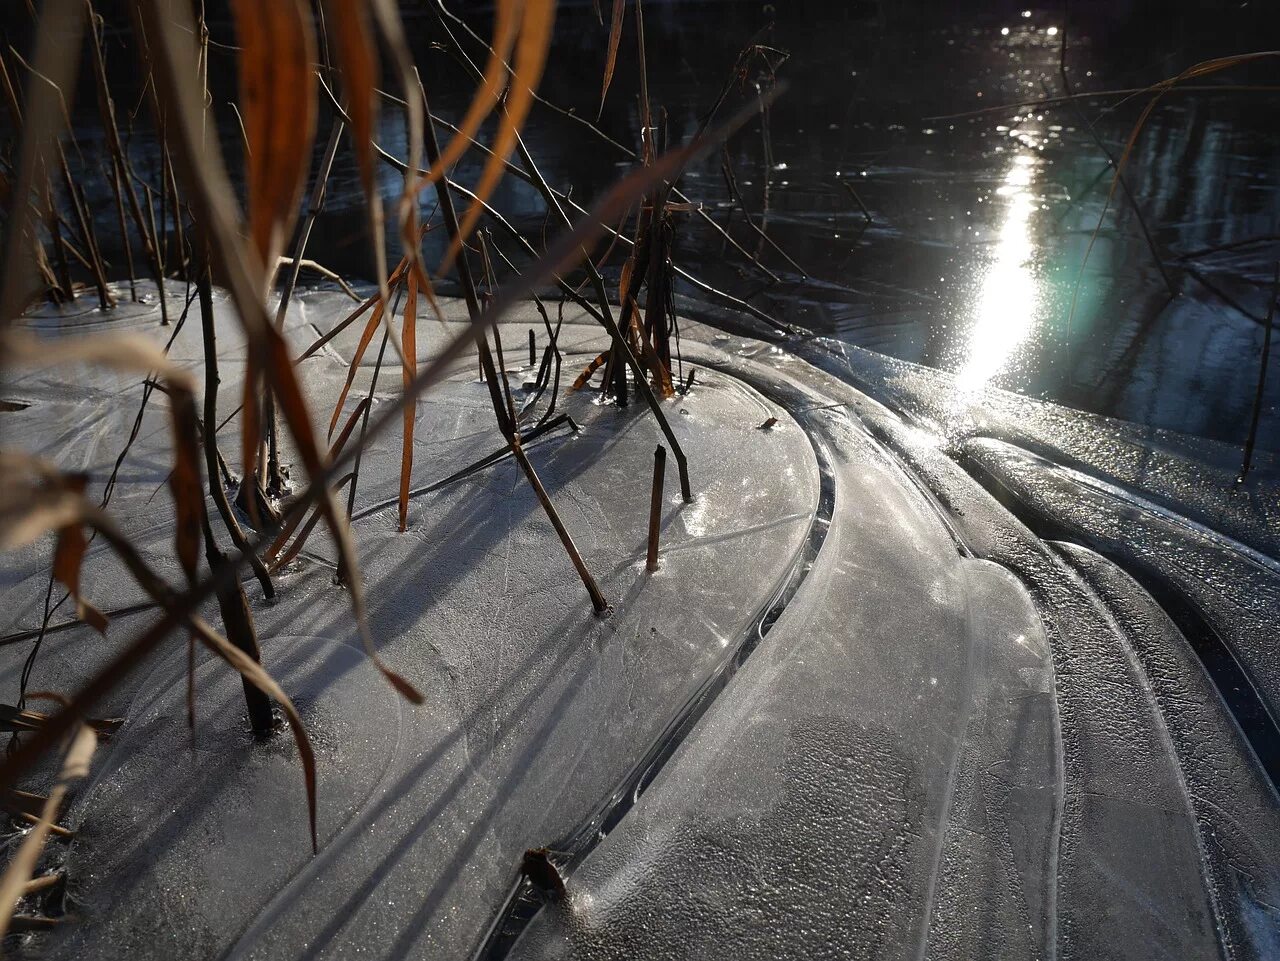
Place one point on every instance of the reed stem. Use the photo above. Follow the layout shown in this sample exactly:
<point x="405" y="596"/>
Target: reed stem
<point x="655" y="506"/>
<point x="506" y="424"/>
<point x="204" y="287"/>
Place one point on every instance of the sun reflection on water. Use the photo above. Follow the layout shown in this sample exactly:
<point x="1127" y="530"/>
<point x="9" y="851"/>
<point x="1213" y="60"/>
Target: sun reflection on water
<point x="1009" y="296"/>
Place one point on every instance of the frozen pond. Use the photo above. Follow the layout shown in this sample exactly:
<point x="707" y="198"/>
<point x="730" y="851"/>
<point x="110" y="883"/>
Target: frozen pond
<point x="980" y="222"/>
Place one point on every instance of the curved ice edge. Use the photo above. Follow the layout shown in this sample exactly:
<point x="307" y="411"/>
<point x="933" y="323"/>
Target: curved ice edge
<point x="1118" y="492"/>
<point x="1240" y="695"/>
<point x="522" y="902"/>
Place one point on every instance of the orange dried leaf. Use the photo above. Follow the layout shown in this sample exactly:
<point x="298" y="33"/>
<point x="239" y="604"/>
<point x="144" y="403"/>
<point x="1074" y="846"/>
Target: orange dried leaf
<point x="531" y="58"/>
<point x="366" y="336"/>
<point x="358" y="59"/>
<point x="278" y="107"/>
<point x="506" y="24"/>
<point x="615" y="39"/>
<point x="68" y="557"/>
<point x="590" y="369"/>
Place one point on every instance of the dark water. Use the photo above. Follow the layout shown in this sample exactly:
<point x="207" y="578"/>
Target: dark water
<point x="979" y="221"/>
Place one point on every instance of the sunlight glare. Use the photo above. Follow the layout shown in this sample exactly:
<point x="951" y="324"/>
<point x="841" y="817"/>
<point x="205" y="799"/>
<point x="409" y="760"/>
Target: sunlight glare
<point x="1007" y="300"/>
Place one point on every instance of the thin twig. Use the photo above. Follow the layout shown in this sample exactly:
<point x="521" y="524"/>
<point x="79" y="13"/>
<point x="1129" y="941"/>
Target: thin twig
<point x="507" y="425"/>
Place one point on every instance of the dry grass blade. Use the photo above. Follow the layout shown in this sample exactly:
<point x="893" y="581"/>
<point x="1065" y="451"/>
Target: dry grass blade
<point x="294" y="409"/>
<point x="301" y="540"/>
<point x="506" y="25"/>
<point x="252" y="671"/>
<point x="251" y="430"/>
<point x="563" y="252"/>
<point x="410" y="369"/>
<point x="278" y="103"/>
<point x="531" y="58"/>
<point x="248" y="668"/>
<point x="277" y="94"/>
<point x="34" y="500"/>
<point x="615" y="41"/>
<point x="123" y="351"/>
<point x="215" y="212"/>
<point x="352" y="317"/>
<point x="185" y="483"/>
<point x="388" y="17"/>
<point x="583" y="378"/>
<point x="358" y="59"/>
<point x="366" y="336"/>
<point x="129" y="352"/>
<point x="292" y="524"/>
<point x="572" y="205"/>
<point x="75" y="767"/>
<point x="68" y="557"/>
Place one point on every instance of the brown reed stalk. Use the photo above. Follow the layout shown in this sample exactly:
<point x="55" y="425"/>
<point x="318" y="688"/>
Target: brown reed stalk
<point x="655" y="506"/>
<point x="204" y="287"/>
<point x="505" y="423"/>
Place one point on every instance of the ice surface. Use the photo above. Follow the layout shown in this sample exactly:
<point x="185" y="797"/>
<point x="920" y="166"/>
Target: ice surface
<point x="1235" y="588"/>
<point x="960" y="741"/>
<point x="1193" y="476"/>
<point x="983" y="726"/>
<point x="535" y="708"/>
